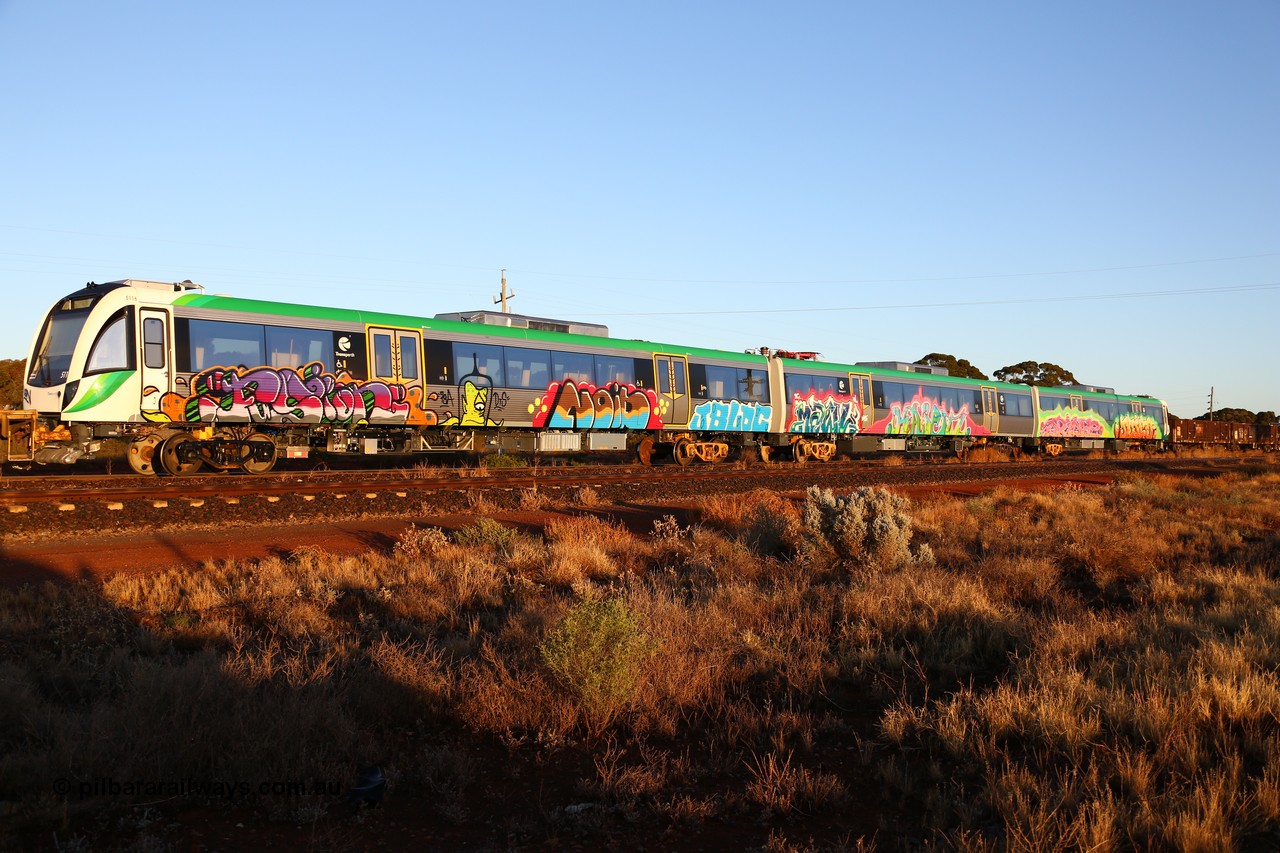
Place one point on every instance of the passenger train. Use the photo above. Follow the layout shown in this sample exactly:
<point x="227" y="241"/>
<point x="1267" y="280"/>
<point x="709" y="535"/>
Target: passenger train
<point x="182" y="381"/>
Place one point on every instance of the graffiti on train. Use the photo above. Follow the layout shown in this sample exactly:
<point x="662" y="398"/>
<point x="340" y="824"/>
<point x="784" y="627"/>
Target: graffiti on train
<point x="1072" y="426"/>
<point x="731" y="416"/>
<point x="824" y="412"/>
<point x="582" y="405"/>
<point x="291" y="395"/>
<point x="923" y="416"/>
<point x="1136" y="426"/>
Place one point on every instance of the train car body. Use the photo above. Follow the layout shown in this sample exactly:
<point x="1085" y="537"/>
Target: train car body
<point x="1072" y="417"/>
<point x="187" y="379"/>
<point x="1224" y="434"/>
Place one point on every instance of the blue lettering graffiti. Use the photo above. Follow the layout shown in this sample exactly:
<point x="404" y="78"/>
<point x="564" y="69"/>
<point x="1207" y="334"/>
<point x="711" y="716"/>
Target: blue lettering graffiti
<point x="731" y="416"/>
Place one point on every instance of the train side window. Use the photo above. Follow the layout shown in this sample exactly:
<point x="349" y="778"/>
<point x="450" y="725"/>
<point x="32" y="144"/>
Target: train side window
<point x="576" y="366"/>
<point x="288" y="347"/>
<point x="809" y="384"/>
<point x="528" y="368"/>
<point x="877" y="393"/>
<point x="644" y="372"/>
<point x="614" y="368"/>
<point x="215" y="343"/>
<point x="439" y="360"/>
<point x="382" y="355"/>
<point x="892" y="392"/>
<point x="485" y="359"/>
<point x="698" y="381"/>
<point x="950" y="399"/>
<point x="721" y="382"/>
<point x="753" y="387"/>
<point x="153" y="342"/>
<point x="409" y="357"/>
<point x="113" y="350"/>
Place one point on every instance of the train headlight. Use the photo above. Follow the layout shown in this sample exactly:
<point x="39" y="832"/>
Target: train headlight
<point x="69" y="393"/>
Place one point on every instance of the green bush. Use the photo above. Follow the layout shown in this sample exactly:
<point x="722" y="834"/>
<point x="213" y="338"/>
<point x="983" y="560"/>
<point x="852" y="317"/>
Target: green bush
<point x="599" y="651"/>
<point x="504" y="460"/>
<point x="487" y="533"/>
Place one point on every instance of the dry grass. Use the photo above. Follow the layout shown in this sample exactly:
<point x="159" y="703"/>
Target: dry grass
<point x="1075" y="669"/>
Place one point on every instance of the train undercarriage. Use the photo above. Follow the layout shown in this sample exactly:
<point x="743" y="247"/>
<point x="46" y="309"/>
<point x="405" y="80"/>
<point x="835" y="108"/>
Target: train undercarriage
<point x="175" y="450"/>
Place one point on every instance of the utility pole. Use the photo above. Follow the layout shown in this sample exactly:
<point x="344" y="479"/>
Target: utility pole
<point x="1210" y="402"/>
<point x="505" y="295"/>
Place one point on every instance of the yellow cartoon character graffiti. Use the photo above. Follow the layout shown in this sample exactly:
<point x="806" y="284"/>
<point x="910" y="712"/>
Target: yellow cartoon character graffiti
<point x="475" y="407"/>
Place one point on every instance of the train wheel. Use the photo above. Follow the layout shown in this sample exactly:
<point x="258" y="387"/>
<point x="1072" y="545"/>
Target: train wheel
<point x="1053" y="449"/>
<point x="142" y="454"/>
<point x="644" y="451"/>
<point x="766" y="452"/>
<point x="683" y="451"/>
<point x="259" y="466"/>
<point x="171" y="462"/>
<point x="800" y="451"/>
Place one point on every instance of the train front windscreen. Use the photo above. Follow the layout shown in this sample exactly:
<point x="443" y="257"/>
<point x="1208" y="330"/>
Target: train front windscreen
<point x="52" y="356"/>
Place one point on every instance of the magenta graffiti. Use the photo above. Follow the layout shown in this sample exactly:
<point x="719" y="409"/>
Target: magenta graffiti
<point x="1071" y="425"/>
<point x="923" y="416"/>
<point x="573" y="405"/>
<point x="285" y="395"/>
<point x="824" y="413"/>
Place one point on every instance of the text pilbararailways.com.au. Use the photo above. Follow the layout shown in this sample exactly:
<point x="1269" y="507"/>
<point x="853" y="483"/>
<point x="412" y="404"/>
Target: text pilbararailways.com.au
<point x="229" y="789"/>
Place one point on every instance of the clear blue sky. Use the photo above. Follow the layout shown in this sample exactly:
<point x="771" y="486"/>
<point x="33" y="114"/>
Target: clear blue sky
<point x="874" y="181"/>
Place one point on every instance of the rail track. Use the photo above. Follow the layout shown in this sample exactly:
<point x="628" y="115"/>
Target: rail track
<point x="300" y="488"/>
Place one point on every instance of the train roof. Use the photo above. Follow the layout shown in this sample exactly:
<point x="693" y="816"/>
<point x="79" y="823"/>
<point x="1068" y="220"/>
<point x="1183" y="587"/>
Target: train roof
<point x="380" y="318"/>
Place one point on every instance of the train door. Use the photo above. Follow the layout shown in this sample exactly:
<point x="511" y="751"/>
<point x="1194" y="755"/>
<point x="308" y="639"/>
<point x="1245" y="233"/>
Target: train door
<point x="990" y="409"/>
<point x="155" y="356"/>
<point x="860" y="388"/>
<point x="395" y="356"/>
<point x="672" y="373"/>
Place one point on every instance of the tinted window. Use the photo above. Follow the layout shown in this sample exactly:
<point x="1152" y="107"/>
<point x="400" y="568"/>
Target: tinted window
<point x="382" y="355"/>
<point x="528" y="368"/>
<point x="615" y="368"/>
<point x="721" y="382"/>
<point x="218" y="344"/>
<point x="951" y="399"/>
<point x="1050" y="401"/>
<point x="805" y="384"/>
<point x="111" y="351"/>
<point x="753" y="384"/>
<point x="1018" y="405"/>
<point x="296" y="347"/>
<point x="408" y="356"/>
<point x="486" y="359"/>
<point x="153" y="342"/>
<point x="578" y="366"/>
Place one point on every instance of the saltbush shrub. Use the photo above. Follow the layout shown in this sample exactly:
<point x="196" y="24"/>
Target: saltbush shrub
<point x="871" y="524"/>
<point x="599" y="651"/>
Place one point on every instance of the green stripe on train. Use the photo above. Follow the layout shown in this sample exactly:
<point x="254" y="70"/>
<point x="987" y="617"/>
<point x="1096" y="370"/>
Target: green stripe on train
<point x="100" y="388"/>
